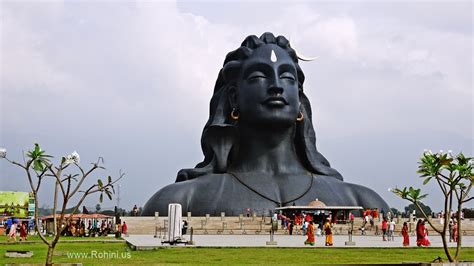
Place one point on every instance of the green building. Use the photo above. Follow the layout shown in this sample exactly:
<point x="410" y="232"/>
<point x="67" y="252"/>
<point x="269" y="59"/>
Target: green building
<point x="17" y="204"/>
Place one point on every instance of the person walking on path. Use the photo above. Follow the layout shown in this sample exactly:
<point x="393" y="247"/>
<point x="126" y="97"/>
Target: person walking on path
<point x="328" y="233"/>
<point x="23" y="232"/>
<point x="124" y="228"/>
<point x="406" y="236"/>
<point x="12" y="233"/>
<point x="391" y="231"/>
<point x="290" y="227"/>
<point x="384" y="229"/>
<point x="421" y="234"/>
<point x="451" y="223"/>
<point x="310" y="234"/>
<point x="455" y="231"/>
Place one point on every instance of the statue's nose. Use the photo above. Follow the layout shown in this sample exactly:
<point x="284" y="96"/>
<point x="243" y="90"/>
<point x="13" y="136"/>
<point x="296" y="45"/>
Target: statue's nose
<point x="275" y="88"/>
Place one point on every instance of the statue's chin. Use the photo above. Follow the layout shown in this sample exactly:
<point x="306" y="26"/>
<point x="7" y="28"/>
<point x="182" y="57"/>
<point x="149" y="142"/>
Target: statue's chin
<point x="271" y="121"/>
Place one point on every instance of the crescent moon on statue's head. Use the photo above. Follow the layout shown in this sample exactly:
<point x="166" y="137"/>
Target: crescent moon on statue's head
<point x="300" y="56"/>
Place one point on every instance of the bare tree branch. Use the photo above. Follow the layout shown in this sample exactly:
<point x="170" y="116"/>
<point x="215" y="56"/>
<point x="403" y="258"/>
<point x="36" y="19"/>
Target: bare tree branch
<point x="469" y="199"/>
<point x="57" y="175"/>
<point x="426" y="216"/>
<point x="441" y="186"/>
<point x="84" y="175"/>
<point x="15" y="163"/>
<point x="466" y="193"/>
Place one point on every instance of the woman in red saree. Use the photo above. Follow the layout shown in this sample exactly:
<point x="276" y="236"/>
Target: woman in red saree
<point x="406" y="236"/>
<point x="455" y="232"/>
<point x="310" y="234"/>
<point x="23" y="232"/>
<point x="421" y="234"/>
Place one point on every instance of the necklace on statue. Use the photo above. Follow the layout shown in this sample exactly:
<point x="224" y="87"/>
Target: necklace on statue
<point x="278" y="203"/>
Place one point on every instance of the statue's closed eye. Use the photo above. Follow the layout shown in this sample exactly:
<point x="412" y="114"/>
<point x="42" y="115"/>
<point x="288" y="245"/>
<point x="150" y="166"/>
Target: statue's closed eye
<point x="256" y="75"/>
<point x="287" y="75"/>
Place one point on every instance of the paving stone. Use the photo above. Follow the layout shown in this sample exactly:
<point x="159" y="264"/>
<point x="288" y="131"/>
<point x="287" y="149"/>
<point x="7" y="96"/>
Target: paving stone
<point x="287" y="241"/>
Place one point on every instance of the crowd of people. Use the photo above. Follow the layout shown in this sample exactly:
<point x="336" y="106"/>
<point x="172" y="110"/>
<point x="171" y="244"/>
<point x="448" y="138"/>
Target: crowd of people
<point x="421" y="233"/>
<point x="452" y="215"/>
<point x="75" y="228"/>
<point x="312" y="226"/>
<point x="308" y="224"/>
<point x="94" y="227"/>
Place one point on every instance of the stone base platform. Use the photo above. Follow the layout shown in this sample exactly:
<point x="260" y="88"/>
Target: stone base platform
<point x="240" y="225"/>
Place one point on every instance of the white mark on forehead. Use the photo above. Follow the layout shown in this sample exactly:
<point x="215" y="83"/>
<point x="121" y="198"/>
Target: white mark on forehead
<point x="273" y="56"/>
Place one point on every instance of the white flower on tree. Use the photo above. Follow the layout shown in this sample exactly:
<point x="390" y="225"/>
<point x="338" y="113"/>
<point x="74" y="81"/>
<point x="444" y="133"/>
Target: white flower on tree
<point x="73" y="158"/>
<point x="3" y="152"/>
<point x="427" y="152"/>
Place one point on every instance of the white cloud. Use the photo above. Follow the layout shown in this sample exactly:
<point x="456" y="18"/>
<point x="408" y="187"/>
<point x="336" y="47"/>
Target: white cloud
<point x="337" y="36"/>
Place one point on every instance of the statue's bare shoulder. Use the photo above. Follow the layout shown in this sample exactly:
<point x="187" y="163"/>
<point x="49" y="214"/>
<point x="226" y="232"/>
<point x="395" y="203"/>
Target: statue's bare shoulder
<point x="184" y="193"/>
<point x="367" y="197"/>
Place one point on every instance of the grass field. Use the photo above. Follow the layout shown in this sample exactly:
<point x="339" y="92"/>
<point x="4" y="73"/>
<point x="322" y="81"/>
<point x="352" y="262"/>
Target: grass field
<point x="98" y="253"/>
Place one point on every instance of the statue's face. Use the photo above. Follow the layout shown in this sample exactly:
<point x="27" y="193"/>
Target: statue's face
<point x="267" y="93"/>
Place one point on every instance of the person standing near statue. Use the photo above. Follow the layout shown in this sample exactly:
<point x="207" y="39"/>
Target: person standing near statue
<point x="455" y="231"/>
<point x="328" y="232"/>
<point x="124" y="228"/>
<point x="291" y="223"/>
<point x="184" y="227"/>
<point x="406" y="236"/>
<point x="351" y="218"/>
<point x="421" y="234"/>
<point x="384" y="229"/>
<point x="310" y="234"/>
<point x="391" y="230"/>
<point x="12" y="233"/>
<point x="23" y="232"/>
<point x="451" y="223"/>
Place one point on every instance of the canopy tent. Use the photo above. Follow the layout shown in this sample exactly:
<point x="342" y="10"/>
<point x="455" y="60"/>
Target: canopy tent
<point x="48" y="221"/>
<point x="78" y="216"/>
<point x="317" y="207"/>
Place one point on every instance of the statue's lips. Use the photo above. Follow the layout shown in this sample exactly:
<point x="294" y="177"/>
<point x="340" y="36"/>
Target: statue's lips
<point x="275" y="101"/>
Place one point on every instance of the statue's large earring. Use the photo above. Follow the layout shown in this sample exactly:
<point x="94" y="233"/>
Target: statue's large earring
<point x="234" y="114"/>
<point x="300" y="117"/>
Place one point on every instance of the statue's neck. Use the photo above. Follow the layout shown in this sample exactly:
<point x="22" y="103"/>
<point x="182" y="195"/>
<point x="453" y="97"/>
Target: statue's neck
<point x="265" y="150"/>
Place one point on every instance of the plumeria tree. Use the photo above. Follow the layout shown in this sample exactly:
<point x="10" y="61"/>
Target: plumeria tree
<point x="454" y="176"/>
<point x="38" y="167"/>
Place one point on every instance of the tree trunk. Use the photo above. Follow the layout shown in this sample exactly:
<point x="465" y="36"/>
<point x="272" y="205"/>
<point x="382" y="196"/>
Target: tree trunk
<point x="445" y="246"/>
<point x="458" y="245"/>
<point x="51" y="247"/>
<point x="49" y="257"/>
<point x="447" y="212"/>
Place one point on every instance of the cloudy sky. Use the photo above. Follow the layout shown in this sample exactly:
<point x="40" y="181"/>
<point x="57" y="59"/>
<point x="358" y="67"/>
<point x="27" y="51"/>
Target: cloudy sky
<point x="131" y="82"/>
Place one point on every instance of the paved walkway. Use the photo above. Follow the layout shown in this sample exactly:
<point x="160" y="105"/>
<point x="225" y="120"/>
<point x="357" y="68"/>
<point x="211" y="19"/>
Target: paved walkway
<point x="149" y="242"/>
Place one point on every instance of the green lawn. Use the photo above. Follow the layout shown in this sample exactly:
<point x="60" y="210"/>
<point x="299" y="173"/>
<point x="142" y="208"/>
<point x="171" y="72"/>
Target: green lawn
<point x="119" y="253"/>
